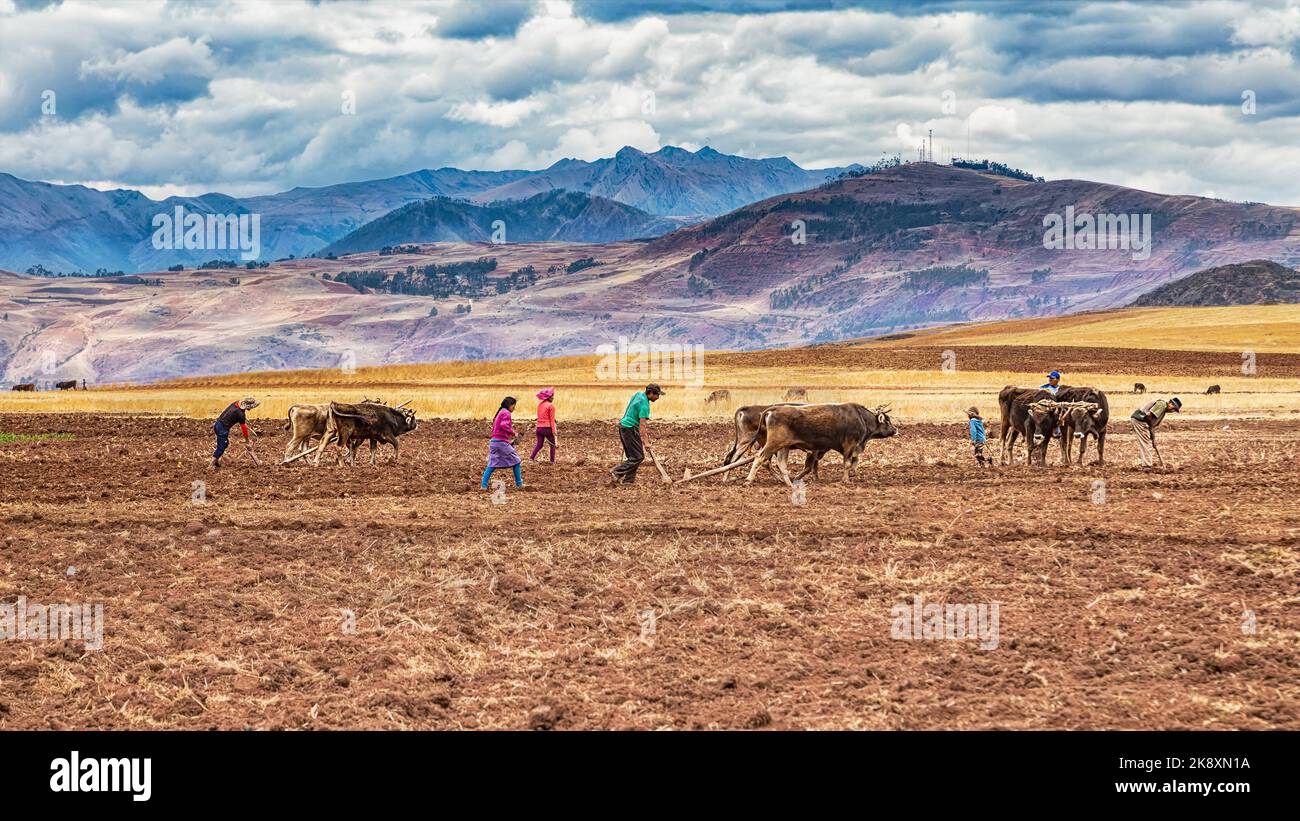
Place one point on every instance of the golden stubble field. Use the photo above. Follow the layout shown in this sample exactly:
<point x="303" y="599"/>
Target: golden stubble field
<point x="1252" y="353"/>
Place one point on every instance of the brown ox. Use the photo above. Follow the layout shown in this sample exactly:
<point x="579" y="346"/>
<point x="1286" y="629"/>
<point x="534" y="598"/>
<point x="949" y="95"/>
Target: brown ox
<point x="750" y="434"/>
<point x="844" y="427"/>
<point x="26" y="386"/>
<point x="350" y="425"/>
<point x="306" y="422"/>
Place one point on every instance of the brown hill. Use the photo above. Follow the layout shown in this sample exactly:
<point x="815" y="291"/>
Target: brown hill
<point x="1258" y="282"/>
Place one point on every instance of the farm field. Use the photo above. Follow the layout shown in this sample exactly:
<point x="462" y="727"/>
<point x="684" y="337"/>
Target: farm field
<point x="399" y="596"/>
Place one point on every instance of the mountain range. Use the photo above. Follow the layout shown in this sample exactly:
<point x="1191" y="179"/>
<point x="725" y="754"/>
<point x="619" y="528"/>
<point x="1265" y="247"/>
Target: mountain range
<point x="556" y="215"/>
<point x="917" y="245"/>
<point x="74" y="228"/>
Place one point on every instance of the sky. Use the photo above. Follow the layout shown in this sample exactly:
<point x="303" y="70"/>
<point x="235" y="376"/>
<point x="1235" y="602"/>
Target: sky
<point x="245" y="98"/>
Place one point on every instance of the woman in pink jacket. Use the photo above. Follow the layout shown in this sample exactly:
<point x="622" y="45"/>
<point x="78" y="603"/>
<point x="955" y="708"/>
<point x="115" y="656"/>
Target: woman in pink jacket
<point x="545" y="423"/>
<point x="501" y="447"/>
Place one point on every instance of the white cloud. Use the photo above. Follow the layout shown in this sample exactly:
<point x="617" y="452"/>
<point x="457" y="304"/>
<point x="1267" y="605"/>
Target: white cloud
<point x="176" y="56"/>
<point x="1094" y="95"/>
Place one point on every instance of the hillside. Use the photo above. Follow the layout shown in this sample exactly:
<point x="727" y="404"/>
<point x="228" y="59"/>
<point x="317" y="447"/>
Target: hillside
<point x="1258" y="282"/>
<point x="71" y="227"/>
<point x="564" y="216"/>
<point x="889" y="252"/>
<point x="1258" y="328"/>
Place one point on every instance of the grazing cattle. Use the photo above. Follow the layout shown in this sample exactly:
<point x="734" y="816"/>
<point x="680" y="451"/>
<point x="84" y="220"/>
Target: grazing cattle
<point x="1013" y="403"/>
<point x="796" y="393"/>
<point x="750" y="434"/>
<point x="26" y="386"/>
<point x="718" y="396"/>
<point x="1138" y="387"/>
<point x="843" y="427"/>
<point x="69" y="384"/>
<point x="350" y="425"/>
<point x="1080" y="423"/>
<point x="1212" y="389"/>
<point x="306" y="422"/>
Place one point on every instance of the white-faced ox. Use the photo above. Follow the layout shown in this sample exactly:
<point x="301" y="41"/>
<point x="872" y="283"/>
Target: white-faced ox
<point x="842" y="427"/>
<point x="1084" y="421"/>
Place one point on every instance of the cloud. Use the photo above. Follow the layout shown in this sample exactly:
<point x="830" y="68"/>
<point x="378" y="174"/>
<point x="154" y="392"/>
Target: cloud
<point x="248" y="97"/>
<point x="176" y="56"/>
<point x="474" y="20"/>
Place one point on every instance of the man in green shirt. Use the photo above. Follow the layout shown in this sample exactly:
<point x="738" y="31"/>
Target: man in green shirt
<point x="1145" y="420"/>
<point x="632" y="433"/>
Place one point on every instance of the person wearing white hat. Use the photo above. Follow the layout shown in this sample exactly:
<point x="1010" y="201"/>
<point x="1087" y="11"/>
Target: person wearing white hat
<point x="231" y="416"/>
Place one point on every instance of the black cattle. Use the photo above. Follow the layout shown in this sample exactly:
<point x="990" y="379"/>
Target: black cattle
<point x="1138" y="387"/>
<point x="1080" y="423"/>
<point x="844" y="427"/>
<point x="1212" y="389"/>
<point x="66" y="385"/>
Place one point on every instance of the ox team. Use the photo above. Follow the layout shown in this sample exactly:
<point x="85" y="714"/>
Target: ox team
<point x="764" y="432"/>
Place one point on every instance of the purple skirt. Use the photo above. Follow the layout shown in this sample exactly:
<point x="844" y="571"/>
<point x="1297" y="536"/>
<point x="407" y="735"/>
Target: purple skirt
<point x="501" y="454"/>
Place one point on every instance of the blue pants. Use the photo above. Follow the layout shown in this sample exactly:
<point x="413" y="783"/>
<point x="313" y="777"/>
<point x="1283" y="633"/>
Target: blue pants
<point x="223" y="439"/>
<point x="519" y="476"/>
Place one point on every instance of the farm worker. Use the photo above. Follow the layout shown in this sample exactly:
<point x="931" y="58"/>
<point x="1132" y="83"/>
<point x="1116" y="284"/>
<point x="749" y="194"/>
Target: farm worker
<point x="632" y="433"/>
<point x="231" y="416"/>
<point x="501" y="447"/>
<point x="1145" y="420"/>
<point x="545" y="423"/>
<point x="977" y="436"/>
<point x="1053" y="383"/>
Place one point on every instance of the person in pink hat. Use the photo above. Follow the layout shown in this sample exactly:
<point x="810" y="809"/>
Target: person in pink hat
<point x="545" y="423"/>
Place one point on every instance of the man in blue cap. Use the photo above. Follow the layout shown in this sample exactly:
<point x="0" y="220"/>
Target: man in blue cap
<point x="1053" y="383"/>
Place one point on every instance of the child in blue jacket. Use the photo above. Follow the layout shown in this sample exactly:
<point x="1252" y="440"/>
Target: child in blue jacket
<point x="977" y="436"/>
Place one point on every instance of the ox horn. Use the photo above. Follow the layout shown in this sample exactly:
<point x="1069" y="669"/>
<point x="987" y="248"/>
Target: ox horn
<point x="404" y="404"/>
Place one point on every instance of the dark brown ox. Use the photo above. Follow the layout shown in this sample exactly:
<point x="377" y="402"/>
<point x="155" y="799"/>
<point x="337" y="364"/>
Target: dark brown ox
<point x="350" y="425"/>
<point x="26" y="386"/>
<point x="750" y="434"/>
<point x="1080" y="423"/>
<point x="66" y="385"/>
<point x="843" y="427"/>
<point x="1013" y="403"/>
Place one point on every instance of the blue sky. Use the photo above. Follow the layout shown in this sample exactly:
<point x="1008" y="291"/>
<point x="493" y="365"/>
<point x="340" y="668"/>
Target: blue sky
<point x="254" y="97"/>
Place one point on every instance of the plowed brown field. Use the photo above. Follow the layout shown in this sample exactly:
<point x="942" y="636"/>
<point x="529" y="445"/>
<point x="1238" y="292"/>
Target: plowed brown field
<point x="399" y="596"/>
